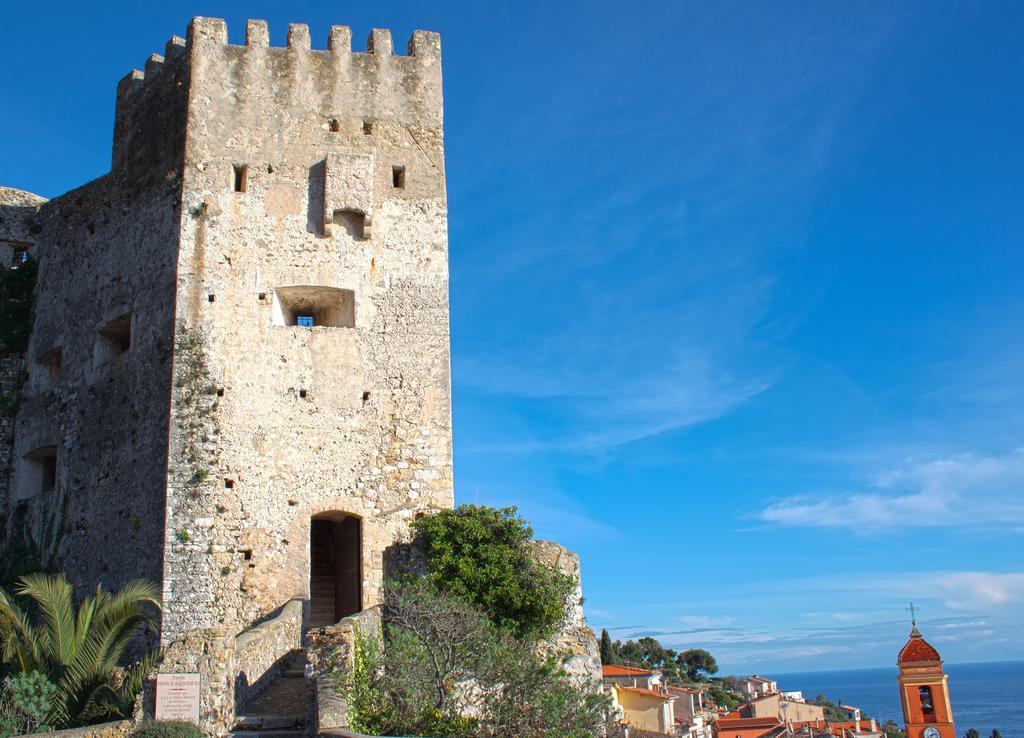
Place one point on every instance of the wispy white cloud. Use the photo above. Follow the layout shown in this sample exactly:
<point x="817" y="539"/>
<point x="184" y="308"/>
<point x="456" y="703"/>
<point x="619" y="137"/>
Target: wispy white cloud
<point x="705" y="621"/>
<point x="659" y="297"/>
<point x="842" y="617"/>
<point x="965" y="489"/>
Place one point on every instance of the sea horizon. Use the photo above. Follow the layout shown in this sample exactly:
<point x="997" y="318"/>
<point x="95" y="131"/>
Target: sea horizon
<point x="984" y="695"/>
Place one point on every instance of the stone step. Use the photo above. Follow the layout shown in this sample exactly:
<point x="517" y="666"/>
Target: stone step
<point x="269" y="722"/>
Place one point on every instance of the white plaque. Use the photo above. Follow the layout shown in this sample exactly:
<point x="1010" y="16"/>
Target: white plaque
<point x="177" y="697"/>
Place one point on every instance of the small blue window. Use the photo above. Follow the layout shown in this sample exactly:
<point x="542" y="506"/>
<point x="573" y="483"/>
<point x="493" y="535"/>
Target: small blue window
<point x="304" y="321"/>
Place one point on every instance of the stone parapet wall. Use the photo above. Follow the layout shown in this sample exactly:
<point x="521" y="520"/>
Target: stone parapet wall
<point x="575" y="641"/>
<point x="233" y="669"/>
<point x="260" y="651"/>
<point x="330" y="653"/>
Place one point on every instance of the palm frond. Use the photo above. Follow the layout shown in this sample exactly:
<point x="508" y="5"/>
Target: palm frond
<point x="53" y="598"/>
<point x="19" y="639"/>
<point x="80" y="650"/>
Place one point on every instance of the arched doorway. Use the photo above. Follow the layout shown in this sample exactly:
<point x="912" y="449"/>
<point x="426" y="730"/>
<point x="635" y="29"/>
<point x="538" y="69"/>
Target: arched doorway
<point x="335" y="571"/>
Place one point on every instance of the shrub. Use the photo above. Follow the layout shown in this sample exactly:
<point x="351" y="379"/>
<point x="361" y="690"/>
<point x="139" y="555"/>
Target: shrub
<point x="441" y="660"/>
<point x="167" y="729"/>
<point x="479" y="555"/>
<point x="26" y="700"/>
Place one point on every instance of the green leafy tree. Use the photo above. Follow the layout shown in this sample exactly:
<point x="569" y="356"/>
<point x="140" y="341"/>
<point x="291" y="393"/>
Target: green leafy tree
<point x="697" y="663"/>
<point x="480" y="555"/>
<point x="971" y="733"/>
<point x="608" y="653"/>
<point x="996" y="734"/>
<point x="79" y="651"/>
<point x="648" y="653"/>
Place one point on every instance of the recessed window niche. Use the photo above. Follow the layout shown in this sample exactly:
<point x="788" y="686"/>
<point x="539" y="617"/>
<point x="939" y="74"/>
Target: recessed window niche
<point x="114" y="339"/>
<point x="46" y="369"/>
<point x="310" y="306"/>
<point x="37" y="473"/>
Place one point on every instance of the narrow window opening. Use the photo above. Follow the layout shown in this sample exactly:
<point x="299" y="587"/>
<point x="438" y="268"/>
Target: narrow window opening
<point x="262" y="296"/>
<point x="335" y="126"/>
<point x="247" y="554"/>
<point x="115" y="338"/>
<point x="302" y="394"/>
<point x="39" y="471"/>
<point x="308" y="306"/>
<point x="48" y="368"/>
<point x="49" y="477"/>
<point x="241" y="177"/>
<point x="366" y="396"/>
<point x="367" y="128"/>
<point x="211" y="298"/>
<point x="19" y="252"/>
<point x="220" y="392"/>
<point x="398" y="177"/>
<point x="229" y="483"/>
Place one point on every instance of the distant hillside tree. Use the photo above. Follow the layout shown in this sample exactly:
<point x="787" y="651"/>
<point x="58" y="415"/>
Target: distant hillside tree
<point x="608" y="653"/>
<point x="696" y="663"/>
<point x="972" y="733"/>
<point x="648" y="653"/>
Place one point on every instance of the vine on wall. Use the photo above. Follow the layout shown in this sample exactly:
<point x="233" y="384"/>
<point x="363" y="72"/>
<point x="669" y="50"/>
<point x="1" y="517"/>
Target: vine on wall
<point x="195" y="404"/>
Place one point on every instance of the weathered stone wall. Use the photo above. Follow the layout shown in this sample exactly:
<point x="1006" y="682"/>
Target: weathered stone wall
<point x="105" y="249"/>
<point x="260" y="650"/>
<point x="574" y="639"/>
<point x="350" y="419"/>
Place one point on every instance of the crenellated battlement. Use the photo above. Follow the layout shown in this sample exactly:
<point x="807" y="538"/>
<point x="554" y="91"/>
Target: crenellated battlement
<point x="240" y="80"/>
<point x="422" y="44"/>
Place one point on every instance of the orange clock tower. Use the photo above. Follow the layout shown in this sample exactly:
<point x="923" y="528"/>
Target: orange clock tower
<point x="924" y="689"/>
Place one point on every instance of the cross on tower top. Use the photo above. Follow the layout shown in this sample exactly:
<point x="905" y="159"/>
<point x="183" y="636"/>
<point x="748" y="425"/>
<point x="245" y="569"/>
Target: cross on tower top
<point x="913" y="621"/>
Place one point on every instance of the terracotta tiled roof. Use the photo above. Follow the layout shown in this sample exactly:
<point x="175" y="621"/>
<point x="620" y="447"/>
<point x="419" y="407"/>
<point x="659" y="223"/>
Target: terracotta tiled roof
<point x="756" y="722"/>
<point x="918" y="649"/>
<point x="620" y="671"/>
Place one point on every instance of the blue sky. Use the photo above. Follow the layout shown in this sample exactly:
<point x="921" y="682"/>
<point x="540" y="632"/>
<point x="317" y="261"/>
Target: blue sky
<point x="736" y="295"/>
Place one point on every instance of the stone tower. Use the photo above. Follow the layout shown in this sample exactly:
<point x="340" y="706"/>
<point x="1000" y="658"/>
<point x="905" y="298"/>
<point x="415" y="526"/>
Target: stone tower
<point x="238" y="370"/>
<point x="924" y="690"/>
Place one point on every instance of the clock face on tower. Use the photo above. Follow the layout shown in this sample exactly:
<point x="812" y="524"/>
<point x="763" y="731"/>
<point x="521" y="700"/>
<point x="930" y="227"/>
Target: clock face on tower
<point x="931" y="733"/>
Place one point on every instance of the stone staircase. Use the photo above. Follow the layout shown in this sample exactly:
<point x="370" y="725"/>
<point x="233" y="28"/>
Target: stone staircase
<point x="284" y="709"/>
<point x="321" y="585"/>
